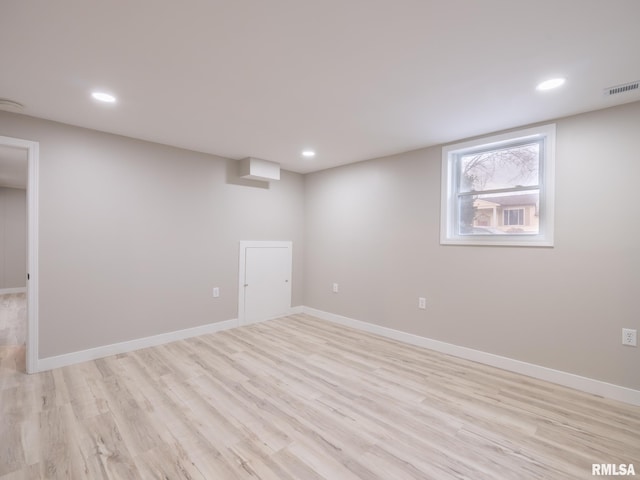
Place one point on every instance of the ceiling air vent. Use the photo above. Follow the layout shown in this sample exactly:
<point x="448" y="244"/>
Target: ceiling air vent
<point x="627" y="87"/>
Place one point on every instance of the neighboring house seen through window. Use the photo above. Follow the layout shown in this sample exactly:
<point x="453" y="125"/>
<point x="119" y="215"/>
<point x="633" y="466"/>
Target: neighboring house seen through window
<point x="499" y="190"/>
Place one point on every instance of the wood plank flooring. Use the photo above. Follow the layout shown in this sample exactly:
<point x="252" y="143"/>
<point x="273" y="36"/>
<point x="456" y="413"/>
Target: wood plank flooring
<point x="300" y="398"/>
<point x="13" y="319"/>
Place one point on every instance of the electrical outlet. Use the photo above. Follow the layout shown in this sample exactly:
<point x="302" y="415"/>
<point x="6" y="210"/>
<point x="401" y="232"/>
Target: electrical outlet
<point x="335" y="288"/>
<point x="216" y="292"/>
<point x="630" y="337"/>
<point x="422" y="303"/>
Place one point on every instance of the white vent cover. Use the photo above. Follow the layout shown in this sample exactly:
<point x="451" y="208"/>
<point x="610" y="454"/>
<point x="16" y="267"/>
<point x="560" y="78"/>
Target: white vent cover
<point x="257" y="169"/>
<point x="627" y="87"/>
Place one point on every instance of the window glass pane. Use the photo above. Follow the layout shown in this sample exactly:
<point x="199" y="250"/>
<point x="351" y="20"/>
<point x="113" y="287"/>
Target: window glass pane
<point x="514" y="213"/>
<point x="502" y="168"/>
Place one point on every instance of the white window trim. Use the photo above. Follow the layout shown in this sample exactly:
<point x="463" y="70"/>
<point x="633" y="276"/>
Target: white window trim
<point x="547" y="189"/>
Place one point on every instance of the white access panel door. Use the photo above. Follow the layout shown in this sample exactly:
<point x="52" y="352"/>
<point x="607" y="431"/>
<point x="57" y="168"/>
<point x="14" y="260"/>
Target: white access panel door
<point x="267" y="281"/>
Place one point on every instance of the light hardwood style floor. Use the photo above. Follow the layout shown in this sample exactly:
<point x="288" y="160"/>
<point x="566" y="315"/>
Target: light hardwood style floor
<point x="300" y="398"/>
<point x="13" y="319"/>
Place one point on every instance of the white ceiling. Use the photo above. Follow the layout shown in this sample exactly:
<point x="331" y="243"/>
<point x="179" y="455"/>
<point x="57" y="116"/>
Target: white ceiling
<point x="13" y="167"/>
<point x="352" y="79"/>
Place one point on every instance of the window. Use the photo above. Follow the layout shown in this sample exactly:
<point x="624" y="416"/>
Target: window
<point x="514" y="216"/>
<point x="499" y="190"/>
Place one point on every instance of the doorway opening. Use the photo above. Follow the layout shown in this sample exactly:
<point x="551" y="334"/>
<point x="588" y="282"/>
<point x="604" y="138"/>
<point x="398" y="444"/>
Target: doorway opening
<point x="18" y="253"/>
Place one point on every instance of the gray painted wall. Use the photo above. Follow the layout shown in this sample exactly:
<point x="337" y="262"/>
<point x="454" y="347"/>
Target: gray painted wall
<point x="373" y="227"/>
<point x="134" y="235"/>
<point x="13" y="237"/>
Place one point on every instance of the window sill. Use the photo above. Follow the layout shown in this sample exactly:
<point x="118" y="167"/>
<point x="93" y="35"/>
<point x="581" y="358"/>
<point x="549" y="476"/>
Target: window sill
<point x="498" y="242"/>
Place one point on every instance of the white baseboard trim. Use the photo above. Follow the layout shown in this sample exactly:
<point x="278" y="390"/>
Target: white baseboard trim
<point x="6" y="291"/>
<point x="290" y="311"/>
<point x="559" y="377"/>
<point x="49" y="363"/>
<point x="58" y="361"/>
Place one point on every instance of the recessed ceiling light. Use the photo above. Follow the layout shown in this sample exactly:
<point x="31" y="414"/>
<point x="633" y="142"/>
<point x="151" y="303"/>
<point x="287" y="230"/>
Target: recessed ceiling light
<point x="103" y="97"/>
<point x="551" y="83"/>
<point x="308" y="153"/>
<point x="6" y="104"/>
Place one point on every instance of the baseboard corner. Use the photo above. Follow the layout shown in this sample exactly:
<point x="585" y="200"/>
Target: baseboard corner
<point x="7" y="291"/>
<point x="66" y="359"/>
<point x="577" y="382"/>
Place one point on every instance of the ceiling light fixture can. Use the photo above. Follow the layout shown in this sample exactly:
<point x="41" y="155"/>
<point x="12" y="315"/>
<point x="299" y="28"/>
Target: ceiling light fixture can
<point x="6" y="104"/>
<point x="103" y="97"/>
<point x="551" y="84"/>
<point x="308" y="153"/>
